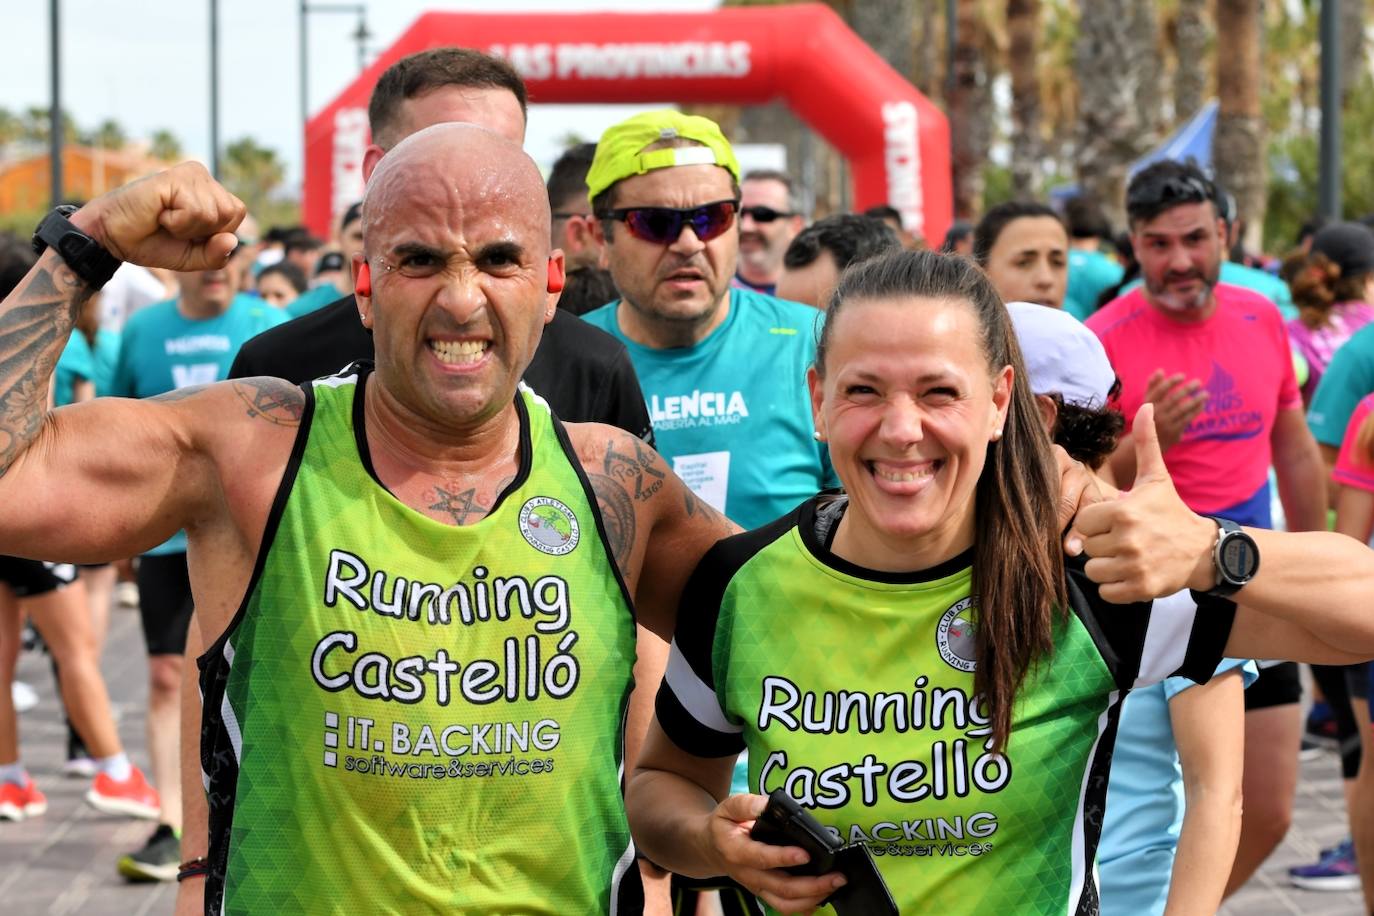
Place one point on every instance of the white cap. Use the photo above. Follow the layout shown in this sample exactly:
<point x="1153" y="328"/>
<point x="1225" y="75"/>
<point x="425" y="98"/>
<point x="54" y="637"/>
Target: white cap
<point x="1062" y="355"/>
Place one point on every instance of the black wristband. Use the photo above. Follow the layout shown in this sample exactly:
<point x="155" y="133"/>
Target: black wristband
<point x="83" y="254"/>
<point x="198" y="867"/>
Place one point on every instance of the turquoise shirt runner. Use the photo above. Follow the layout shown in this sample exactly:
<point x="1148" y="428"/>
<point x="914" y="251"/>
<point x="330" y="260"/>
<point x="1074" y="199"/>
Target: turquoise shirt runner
<point x="312" y="300"/>
<point x="1348" y="378"/>
<point x="80" y="362"/>
<point x="163" y="350"/>
<point x="732" y="413"/>
<point x="1090" y="272"/>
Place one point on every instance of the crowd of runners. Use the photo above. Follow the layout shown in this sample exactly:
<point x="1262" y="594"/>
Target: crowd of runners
<point x="506" y="550"/>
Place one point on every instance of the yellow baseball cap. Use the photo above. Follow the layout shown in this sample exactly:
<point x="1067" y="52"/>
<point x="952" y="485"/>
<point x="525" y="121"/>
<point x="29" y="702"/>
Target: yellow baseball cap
<point x="620" y="155"/>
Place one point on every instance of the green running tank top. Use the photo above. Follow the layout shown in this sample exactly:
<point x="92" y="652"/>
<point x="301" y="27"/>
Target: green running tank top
<point x="407" y="716"/>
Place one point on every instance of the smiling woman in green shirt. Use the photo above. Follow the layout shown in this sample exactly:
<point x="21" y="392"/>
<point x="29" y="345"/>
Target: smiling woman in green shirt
<point x="914" y="659"/>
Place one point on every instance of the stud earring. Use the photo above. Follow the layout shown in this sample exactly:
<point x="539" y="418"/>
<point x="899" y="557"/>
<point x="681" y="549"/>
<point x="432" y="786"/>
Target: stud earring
<point x="817" y="436"/>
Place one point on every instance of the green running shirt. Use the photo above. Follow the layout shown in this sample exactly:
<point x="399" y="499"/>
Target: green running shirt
<point x="853" y="690"/>
<point x="409" y="717"/>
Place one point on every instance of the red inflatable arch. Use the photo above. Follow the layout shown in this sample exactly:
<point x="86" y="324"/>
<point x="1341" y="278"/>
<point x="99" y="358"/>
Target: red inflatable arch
<point x="896" y="140"/>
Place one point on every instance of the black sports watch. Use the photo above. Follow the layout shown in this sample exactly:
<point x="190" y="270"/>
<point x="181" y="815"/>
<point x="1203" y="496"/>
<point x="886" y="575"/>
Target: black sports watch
<point x="83" y="254"/>
<point x="1235" y="557"/>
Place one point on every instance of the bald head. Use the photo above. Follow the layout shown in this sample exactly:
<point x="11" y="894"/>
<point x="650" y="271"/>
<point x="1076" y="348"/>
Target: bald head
<point x="448" y="169"/>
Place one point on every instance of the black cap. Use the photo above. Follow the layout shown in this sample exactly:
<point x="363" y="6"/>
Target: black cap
<point x="351" y="215"/>
<point x="1349" y="245"/>
<point x="331" y="260"/>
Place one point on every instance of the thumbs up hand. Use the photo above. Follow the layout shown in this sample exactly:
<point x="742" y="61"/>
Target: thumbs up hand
<point x="1146" y="543"/>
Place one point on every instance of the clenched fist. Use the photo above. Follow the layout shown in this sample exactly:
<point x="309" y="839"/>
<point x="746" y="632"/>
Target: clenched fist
<point x="180" y="219"/>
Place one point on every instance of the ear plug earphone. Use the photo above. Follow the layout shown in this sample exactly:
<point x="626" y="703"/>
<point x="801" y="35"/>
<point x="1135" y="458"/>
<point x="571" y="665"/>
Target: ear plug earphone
<point x="363" y="286"/>
<point x="556" y="279"/>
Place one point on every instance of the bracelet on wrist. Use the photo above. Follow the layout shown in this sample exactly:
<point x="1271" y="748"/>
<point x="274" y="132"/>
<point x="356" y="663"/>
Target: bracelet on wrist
<point x="198" y="867"/>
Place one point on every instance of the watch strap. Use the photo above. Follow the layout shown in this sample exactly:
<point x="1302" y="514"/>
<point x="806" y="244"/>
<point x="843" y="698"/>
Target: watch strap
<point x="1226" y="584"/>
<point x="87" y="258"/>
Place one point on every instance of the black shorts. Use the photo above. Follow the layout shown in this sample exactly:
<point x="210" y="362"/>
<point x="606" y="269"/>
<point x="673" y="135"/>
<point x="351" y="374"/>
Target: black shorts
<point x="1357" y="680"/>
<point x="31" y="578"/>
<point x="1277" y="686"/>
<point x="164" y="602"/>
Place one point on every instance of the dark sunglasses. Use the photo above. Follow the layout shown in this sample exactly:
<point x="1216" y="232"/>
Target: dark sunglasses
<point x="764" y="214"/>
<point x="1183" y="189"/>
<point x="663" y="225"/>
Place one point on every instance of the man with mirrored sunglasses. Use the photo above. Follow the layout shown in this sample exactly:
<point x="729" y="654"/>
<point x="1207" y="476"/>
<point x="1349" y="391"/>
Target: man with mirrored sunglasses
<point x="723" y="368"/>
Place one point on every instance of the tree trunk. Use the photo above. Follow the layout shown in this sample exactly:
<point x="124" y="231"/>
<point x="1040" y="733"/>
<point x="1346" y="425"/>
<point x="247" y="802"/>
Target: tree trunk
<point x="1190" y="48"/>
<point x="929" y="38"/>
<point x="1353" y="63"/>
<point x="1238" y="146"/>
<point x="969" y="113"/>
<point x="1145" y="34"/>
<point x="1113" y="63"/>
<point x="888" y="27"/>
<point x="1027" y="149"/>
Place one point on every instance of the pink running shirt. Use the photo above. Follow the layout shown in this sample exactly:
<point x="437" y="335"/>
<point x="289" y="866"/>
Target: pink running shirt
<point x="1354" y="470"/>
<point x="1241" y="356"/>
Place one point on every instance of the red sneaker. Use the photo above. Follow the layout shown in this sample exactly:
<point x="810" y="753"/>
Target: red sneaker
<point x="133" y="797"/>
<point x="18" y="802"/>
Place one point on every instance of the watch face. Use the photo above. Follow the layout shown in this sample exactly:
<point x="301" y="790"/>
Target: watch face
<point x="1239" y="558"/>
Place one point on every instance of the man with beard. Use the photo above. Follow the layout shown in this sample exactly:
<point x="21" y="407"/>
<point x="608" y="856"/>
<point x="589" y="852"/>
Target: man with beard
<point x="183" y="342"/>
<point x="723" y="368"/>
<point x="769" y="219"/>
<point x="1214" y="360"/>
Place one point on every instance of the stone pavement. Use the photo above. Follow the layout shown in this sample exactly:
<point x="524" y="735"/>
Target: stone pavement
<point x="63" y="863"/>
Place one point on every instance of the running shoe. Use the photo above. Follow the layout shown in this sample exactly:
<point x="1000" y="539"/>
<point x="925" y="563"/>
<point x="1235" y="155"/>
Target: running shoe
<point x="1311" y="750"/>
<point x="133" y="797"/>
<point x="1335" y="870"/>
<point x="18" y="802"/>
<point x="158" y="860"/>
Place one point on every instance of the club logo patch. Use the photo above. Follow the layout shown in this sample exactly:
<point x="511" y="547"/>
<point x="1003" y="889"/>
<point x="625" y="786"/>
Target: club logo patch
<point x="955" y="636"/>
<point x="549" y="526"/>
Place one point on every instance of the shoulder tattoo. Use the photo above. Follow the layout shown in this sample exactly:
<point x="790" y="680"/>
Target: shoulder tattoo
<point x="272" y="399"/>
<point x="618" y="517"/>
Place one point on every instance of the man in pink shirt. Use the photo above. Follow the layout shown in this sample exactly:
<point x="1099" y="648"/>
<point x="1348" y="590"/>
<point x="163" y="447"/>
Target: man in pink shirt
<point x="1214" y="359"/>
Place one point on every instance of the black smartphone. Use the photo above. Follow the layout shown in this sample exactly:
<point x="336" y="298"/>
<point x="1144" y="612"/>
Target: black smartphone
<point x="786" y="823"/>
<point x="865" y="893"/>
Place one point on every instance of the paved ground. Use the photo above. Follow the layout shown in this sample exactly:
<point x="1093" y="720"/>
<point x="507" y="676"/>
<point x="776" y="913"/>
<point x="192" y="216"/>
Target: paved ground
<point x="63" y="862"/>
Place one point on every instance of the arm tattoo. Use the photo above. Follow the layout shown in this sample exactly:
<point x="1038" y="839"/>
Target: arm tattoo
<point x="179" y="394"/>
<point x="275" y="400"/>
<point x="458" y="506"/>
<point x="637" y="471"/>
<point x="34" y="327"/>
<point x="617" y="516"/>
<point x="698" y="506"/>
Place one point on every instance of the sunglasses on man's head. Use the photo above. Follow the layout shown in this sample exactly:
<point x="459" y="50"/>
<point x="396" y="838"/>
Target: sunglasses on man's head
<point x="663" y="225"/>
<point x="762" y="214"/>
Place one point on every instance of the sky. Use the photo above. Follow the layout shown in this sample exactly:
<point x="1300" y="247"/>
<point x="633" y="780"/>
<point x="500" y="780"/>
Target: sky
<point x="145" y="63"/>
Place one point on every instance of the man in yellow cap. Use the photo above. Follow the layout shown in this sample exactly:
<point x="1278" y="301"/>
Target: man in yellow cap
<point x="724" y="370"/>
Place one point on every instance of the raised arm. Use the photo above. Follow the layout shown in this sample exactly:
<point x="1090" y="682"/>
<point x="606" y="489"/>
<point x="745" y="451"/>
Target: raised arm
<point x="93" y="481"/>
<point x="1308" y="601"/>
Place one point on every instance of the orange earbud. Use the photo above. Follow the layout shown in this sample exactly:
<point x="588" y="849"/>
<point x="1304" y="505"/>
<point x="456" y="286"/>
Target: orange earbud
<point x="363" y="286"/>
<point x="556" y="279"/>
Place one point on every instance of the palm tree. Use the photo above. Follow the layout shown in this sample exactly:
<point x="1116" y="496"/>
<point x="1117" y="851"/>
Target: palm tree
<point x="1238" y="146"/>
<point x="1190" y="35"/>
<point x="165" y="146"/>
<point x="251" y="172"/>
<point x="109" y="135"/>
<point x="969" y="111"/>
<point x="1027" y="150"/>
<point x="1113" y="66"/>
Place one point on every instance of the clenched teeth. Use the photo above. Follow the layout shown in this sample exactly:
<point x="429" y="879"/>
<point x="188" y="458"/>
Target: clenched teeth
<point x="458" y="352"/>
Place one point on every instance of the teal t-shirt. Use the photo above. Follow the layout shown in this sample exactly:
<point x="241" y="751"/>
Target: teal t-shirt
<point x="1347" y="379"/>
<point x="731" y="413"/>
<point x="1090" y="272"/>
<point x="162" y="350"/>
<point x="80" y="362"/>
<point x="312" y="299"/>
<point x="1267" y="285"/>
